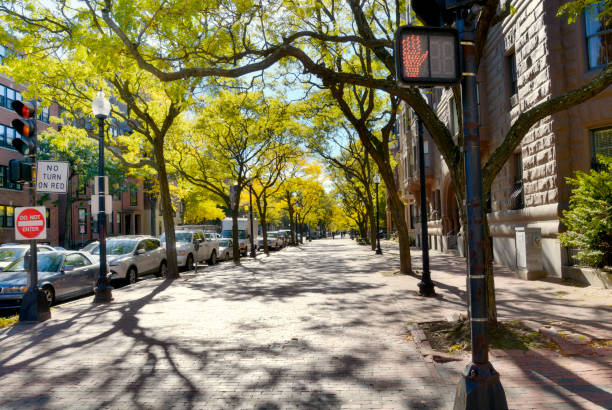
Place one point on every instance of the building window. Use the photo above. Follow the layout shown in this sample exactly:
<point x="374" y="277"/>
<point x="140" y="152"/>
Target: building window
<point x="601" y="144"/>
<point x="44" y="115"/>
<point x="48" y="217"/>
<point x="133" y="195"/>
<point x="10" y="217"/>
<point x="511" y="59"/>
<point x="2" y="95"/>
<point x="2" y="215"/>
<point x="598" y="28"/>
<point x="118" y="223"/>
<point x="82" y="221"/>
<point x="517" y="199"/>
<point x="117" y="193"/>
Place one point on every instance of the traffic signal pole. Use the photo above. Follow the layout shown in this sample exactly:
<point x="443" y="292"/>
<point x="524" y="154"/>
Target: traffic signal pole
<point x="34" y="305"/>
<point x="480" y="386"/>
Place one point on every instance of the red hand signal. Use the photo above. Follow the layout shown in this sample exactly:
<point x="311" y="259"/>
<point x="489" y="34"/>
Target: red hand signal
<point x="412" y="58"/>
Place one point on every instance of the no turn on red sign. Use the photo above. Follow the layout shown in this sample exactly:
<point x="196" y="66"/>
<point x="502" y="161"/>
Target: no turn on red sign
<point x="30" y="223"/>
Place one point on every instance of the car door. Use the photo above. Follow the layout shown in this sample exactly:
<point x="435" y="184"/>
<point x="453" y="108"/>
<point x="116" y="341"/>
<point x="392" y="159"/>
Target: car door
<point x="77" y="274"/>
<point x="142" y="262"/>
<point x="154" y="254"/>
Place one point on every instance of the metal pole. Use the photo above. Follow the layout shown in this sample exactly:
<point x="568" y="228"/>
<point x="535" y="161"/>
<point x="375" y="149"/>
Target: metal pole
<point x="480" y="387"/>
<point x="426" y="286"/>
<point x="378" y="250"/>
<point x="102" y="291"/>
<point x="34" y="305"/>
<point x="253" y="254"/>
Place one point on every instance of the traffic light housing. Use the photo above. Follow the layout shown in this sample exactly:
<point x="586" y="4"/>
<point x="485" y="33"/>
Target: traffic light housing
<point x="19" y="171"/>
<point x="427" y="56"/>
<point x="433" y="13"/>
<point x="25" y="126"/>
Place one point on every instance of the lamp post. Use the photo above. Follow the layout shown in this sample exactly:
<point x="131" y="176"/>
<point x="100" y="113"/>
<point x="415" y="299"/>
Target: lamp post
<point x="101" y="109"/>
<point x="426" y="286"/>
<point x="376" y="180"/>
<point x="251" y="217"/>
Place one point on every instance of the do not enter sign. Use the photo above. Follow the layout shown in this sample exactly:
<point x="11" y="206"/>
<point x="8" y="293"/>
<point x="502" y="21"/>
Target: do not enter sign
<point x="30" y="223"/>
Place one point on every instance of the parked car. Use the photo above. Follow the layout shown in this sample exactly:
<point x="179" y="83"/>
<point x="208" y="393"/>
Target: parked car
<point x="186" y="243"/>
<point x="61" y="275"/>
<point x="131" y="256"/>
<point x="226" y="249"/>
<point x="91" y="247"/>
<point x="12" y="252"/>
<point x="274" y="241"/>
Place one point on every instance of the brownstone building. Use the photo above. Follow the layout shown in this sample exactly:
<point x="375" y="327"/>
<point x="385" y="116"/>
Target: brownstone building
<point x="530" y="57"/>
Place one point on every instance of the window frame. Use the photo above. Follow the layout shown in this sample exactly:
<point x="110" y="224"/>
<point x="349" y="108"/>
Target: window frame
<point x="594" y="163"/>
<point x="588" y="37"/>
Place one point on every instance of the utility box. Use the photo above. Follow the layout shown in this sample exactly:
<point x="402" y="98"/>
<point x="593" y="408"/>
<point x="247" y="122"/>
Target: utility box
<point x="529" y="253"/>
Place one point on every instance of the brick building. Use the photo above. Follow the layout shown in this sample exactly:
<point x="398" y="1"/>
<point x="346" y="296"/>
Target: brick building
<point x="530" y="57"/>
<point x="134" y="210"/>
<point x="15" y="195"/>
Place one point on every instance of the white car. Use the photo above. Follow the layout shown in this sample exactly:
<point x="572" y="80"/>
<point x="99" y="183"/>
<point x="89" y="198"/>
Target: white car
<point x="10" y="253"/>
<point x="274" y="241"/>
<point x="131" y="256"/>
<point x="226" y="249"/>
<point x="186" y="243"/>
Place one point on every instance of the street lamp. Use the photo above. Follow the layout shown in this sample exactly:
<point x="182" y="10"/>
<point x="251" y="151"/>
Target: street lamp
<point x="251" y="217"/>
<point x="101" y="109"/>
<point x="426" y="285"/>
<point x="376" y="180"/>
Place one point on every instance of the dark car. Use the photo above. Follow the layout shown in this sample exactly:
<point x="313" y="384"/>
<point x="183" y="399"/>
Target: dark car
<point x="61" y="275"/>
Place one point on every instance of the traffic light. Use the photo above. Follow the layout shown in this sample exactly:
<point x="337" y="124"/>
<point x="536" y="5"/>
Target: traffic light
<point x="433" y="13"/>
<point x="19" y="171"/>
<point x="25" y="126"/>
<point x="427" y="56"/>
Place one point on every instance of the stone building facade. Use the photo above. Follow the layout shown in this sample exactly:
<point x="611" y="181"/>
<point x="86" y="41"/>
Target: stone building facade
<point x="531" y="57"/>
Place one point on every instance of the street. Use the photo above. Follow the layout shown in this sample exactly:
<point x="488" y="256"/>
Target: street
<point x="322" y="325"/>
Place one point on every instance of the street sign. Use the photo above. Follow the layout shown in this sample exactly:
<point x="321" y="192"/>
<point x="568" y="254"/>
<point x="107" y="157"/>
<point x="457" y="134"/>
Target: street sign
<point x="95" y="204"/>
<point x="427" y="56"/>
<point x="30" y="223"/>
<point x="52" y="176"/>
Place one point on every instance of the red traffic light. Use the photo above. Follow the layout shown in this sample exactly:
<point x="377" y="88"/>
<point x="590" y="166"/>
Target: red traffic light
<point x="24" y="109"/>
<point x="427" y="56"/>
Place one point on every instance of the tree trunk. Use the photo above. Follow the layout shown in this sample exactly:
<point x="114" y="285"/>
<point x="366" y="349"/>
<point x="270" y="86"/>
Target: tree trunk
<point x="399" y="216"/>
<point x="166" y="205"/>
<point x="236" y="245"/>
<point x="291" y="224"/>
<point x="372" y="217"/>
<point x="263" y="210"/>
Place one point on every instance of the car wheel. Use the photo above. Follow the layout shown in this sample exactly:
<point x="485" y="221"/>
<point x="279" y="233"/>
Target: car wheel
<point x="213" y="258"/>
<point x="163" y="269"/>
<point x="49" y="295"/>
<point x="189" y="263"/>
<point x="132" y="276"/>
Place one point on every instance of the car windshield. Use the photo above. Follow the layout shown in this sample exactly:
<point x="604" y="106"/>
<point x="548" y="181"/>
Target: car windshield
<point x="228" y="234"/>
<point x="90" y="247"/>
<point x="224" y="244"/>
<point x="118" y="247"/>
<point x="9" y="254"/>
<point x="47" y="262"/>
<point x="179" y="237"/>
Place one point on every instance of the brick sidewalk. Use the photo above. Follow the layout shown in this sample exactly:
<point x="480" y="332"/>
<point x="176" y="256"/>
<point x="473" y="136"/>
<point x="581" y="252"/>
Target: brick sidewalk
<point x="318" y="326"/>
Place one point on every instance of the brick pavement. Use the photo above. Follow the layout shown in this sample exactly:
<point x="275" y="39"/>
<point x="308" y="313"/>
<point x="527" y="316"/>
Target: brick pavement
<point x="312" y="327"/>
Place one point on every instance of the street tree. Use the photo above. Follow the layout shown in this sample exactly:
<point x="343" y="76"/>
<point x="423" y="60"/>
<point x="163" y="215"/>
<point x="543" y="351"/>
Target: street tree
<point x="72" y="145"/>
<point x="144" y="109"/>
<point x="320" y="41"/>
<point x="229" y="144"/>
